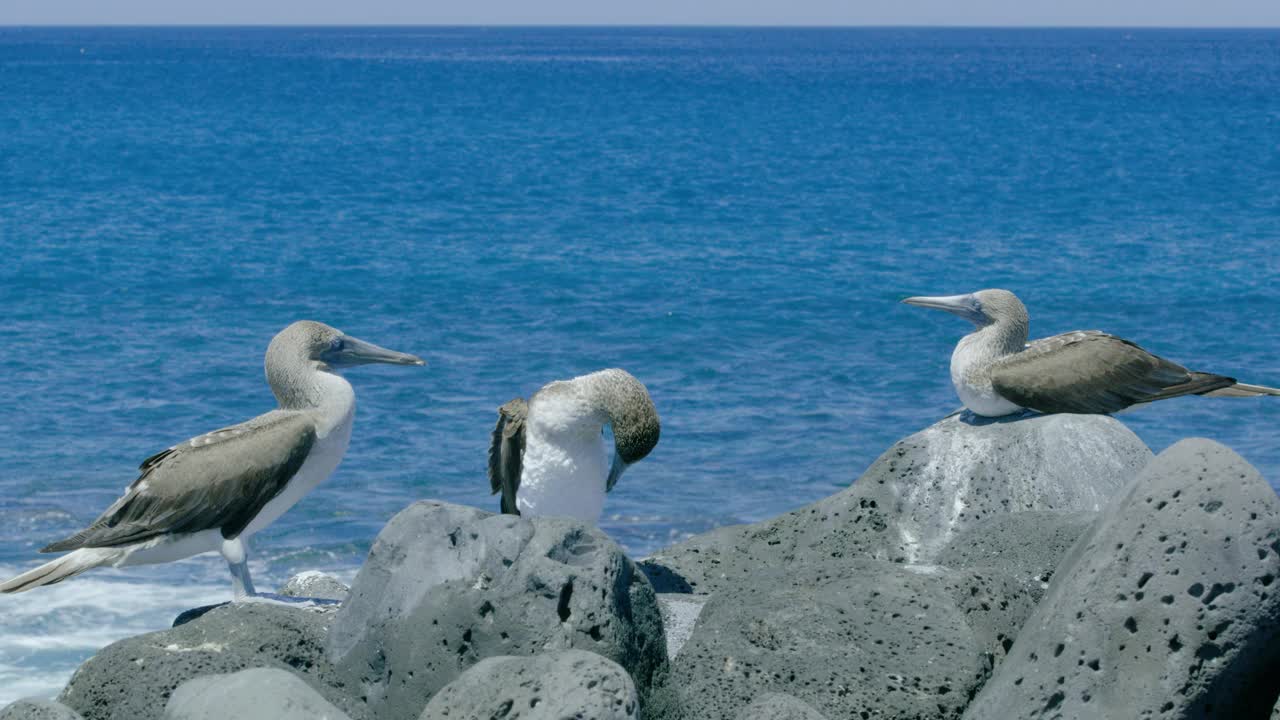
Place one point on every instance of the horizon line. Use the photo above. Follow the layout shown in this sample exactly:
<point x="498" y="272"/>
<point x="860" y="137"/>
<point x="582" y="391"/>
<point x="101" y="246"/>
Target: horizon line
<point x="656" y="25"/>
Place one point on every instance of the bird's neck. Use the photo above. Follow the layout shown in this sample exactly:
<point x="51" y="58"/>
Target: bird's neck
<point x="321" y="392"/>
<point x="977" y="350"/>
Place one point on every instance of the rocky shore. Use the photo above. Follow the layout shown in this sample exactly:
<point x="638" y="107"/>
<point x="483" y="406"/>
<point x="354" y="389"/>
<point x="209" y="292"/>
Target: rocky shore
<point x="1038" y="567"/>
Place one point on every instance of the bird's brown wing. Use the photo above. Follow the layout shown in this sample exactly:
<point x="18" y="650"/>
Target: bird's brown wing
<point x="506" y="453"/>
<point x="1088" y="371"/>
<point x="218" y="480"/>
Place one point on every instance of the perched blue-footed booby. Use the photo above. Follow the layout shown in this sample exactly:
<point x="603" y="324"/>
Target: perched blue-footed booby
<point x="997" y="372"/>
<point x="548" y="456"/>
<point x="214" y="491"/>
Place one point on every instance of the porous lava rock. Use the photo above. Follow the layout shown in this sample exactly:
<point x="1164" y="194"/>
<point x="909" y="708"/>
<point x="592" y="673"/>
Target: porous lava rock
<point x="254" y="694"/>
<point x="1168" y="608"/>
<point x="446" y="586"/>
<point x="920" y="494"/>
<point x="132" y="679"/>
<point x="557" y="685"/>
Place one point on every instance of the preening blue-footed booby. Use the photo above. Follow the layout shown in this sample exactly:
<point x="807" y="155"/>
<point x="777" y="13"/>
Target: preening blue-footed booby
<point x="214" y="491"/>
<point x="548" y="456"/>
<point x="997" y="372"/>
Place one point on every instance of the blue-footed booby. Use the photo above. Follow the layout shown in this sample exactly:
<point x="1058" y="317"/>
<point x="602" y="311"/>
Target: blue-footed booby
<point x="997" y="372"/>
<point x="548" y="456"/>
<point x="214" y="491"/>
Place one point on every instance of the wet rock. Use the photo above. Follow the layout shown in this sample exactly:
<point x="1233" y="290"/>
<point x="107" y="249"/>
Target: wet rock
<point x="1169" y="606"/>
<point x="132" y="679"/>
<point x="921" y="493"/>
<point x="446" y="586"/>
<point x="256" y="694"/>
<point x="861" y="636"/>
<point x="679" y="613"/>
<point x="564" y="684"/>
<point x="37" y="709"/>
<point x="317" y="585"/>
<point x="778" y="706"/>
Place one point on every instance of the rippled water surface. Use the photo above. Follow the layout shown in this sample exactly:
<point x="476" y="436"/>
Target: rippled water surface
<point x="732" y="215"/>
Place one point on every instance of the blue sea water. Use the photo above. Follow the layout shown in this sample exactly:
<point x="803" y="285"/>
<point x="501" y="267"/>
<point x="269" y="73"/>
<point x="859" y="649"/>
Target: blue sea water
<point x="731" y="214"/>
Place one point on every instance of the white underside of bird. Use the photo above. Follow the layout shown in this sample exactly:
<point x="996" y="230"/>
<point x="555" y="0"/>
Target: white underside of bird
<point x="566" y="460"/>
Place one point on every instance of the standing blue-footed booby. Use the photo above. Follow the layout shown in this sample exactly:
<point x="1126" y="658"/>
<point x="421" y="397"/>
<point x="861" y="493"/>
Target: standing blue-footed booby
<point x="214" y="491"/>
<point x="548" y="456"/>
<point x="996" y="372"/>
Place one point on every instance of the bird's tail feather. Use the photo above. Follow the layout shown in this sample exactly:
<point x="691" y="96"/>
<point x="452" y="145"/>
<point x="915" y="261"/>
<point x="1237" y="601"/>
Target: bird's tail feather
<point x="1244" y="390"/>
<point x="55" y="571"/>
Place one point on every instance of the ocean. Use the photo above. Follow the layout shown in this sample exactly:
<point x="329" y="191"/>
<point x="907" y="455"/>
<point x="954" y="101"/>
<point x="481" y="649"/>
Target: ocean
<point x="731" y="214"/>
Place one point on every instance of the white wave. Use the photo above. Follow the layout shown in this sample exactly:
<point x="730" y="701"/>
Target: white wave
<point x="45" y="634"/>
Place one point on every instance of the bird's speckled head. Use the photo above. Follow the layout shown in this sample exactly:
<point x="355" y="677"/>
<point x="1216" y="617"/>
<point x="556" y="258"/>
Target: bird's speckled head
<point x="1001" y="306"/>
<point x="308" y="346"/>
<point x="982" y="308"/>
<point x="631" y="413"/>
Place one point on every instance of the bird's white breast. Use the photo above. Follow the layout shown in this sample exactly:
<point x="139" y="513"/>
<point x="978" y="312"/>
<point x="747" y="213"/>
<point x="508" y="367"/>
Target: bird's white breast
<point x="566" y="462"/>
<point x="971" y="376"/>
<point x="334" y="419"/>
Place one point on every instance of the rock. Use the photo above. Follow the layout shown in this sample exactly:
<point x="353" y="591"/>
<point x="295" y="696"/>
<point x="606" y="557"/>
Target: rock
<point x="446" y="586"/>
<point x="778" y="706"/>
<point x="255" y="694"/>
<point x="313" y="584"/>
<point x="37" y="709"/>
<point x="132" y="679"/>
<point x="679" y="613"/>
<point x="1025" y="545"/>
<point x="861" y="636"/>
<point x="564" y="684"/>
<point x="1168" y="607"/>
<point x="920" y="494"/>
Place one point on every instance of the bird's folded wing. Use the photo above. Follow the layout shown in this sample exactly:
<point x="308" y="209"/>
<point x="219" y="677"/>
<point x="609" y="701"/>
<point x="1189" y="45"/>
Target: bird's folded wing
<point x="218" y="480"/>
<point x="1088" y="371"/>
<point x="506" y="453"/>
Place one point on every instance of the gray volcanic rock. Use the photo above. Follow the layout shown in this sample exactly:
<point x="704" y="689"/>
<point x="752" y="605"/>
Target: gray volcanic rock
<point x="564" y="684"/>
<point x="778" y="706"/>
<point x="862" y="636"/>
<point x="1168" y="608"/>
<point x="679" y="613"/>
<point x="920" y="494"/>
<point x="37" y="709"/>
<point x="317" y="585"/>
<point x="1025" y="545"/>
<point x="255" y="694"/>
<point x="132" y="679"/>
<point x="446" y="586"/>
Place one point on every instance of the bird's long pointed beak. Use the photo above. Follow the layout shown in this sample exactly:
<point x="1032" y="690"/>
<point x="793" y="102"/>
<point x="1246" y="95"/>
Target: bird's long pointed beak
<point x="358" y="352"/>
<point x="966" y="306"/>
<point x="616" y="468"/>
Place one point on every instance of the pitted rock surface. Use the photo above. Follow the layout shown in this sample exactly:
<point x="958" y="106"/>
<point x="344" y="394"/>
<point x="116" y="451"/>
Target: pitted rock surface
<point x="883" y="639"/>
<point x="446" y="586"/>
<point x="132" y="679"/>
<point x="920" y="494"/>
<point x="564" y="684"/>
<point x="1168" y="608"/>
<point x="255" y="694"/>
<point x="37" y="709"/>
<point x="778" y="706"/>
<point x="1025" y="545"/>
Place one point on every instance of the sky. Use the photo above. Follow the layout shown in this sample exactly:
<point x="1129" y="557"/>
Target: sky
<point x="1157" y="13"/>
